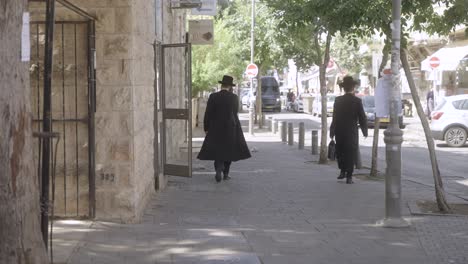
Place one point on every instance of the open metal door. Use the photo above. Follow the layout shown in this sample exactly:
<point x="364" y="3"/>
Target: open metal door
<point x="176" y="107"/>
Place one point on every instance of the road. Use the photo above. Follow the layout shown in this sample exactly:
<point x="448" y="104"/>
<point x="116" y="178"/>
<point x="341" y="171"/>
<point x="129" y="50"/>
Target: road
<point x="416" y="166"/>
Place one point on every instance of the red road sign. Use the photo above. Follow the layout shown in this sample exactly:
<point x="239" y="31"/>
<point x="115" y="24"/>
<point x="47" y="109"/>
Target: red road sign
<point x="331" y="63"/>
<point x="252" y="70"/>
<point x="434" y="62"/>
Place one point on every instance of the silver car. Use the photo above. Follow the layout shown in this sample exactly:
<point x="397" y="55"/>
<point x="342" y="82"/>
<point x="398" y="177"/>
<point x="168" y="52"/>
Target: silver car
<point x="450" y="120"/>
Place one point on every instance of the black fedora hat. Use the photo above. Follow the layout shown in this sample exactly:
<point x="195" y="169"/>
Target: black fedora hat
<point x="227" y="80"/>
<point x="348" y="81"/>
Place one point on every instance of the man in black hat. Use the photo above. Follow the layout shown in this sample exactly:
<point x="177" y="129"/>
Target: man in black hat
<point x="347" y="112"/>
<point x="224" y="141"/>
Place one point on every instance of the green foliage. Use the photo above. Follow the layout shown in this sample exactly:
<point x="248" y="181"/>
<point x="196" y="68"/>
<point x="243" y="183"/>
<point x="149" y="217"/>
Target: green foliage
<point x="231" y="52"/>
<point x="346" y="54"/>
<point x="210" y="63"/>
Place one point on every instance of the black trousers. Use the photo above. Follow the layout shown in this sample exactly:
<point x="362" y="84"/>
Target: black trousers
<point x="223" y="166"/>
<point x="346" y="157"/>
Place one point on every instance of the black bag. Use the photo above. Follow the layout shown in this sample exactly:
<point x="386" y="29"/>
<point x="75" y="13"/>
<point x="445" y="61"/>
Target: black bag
<point x="331" y="150"/>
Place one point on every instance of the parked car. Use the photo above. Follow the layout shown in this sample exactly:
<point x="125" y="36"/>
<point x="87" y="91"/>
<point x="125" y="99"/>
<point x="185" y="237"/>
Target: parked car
<point x="317" y="105"/>
<point x="270" y="94"/>
<point x="244" y="97"/>
<point x="297" y="105"/>
<point x="248" y="99"/>
<point x="368" y="102"/>
<point x="450" y="120"/>
<point x="271" y="99"/>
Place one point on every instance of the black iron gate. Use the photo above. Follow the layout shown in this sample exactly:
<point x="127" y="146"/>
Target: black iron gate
<point x="73" y="107"/>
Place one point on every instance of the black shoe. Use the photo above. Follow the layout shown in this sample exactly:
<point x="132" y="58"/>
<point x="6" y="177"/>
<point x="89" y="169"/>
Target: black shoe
<point x="342" y="175"/>
<point x="349" y="178"/>
<point x="218" y="176"/>
<point x="226" y="177"/>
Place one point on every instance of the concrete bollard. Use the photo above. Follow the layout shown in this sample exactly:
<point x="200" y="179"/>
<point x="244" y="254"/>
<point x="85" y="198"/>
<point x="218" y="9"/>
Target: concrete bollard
<point x="314" y="142"/>
<point x="290" y="134"/>
<point x="273" y="126"/>
<point x="270" y="122"/>
<point x="283" y="130"/>
<point x="301" y="135"/>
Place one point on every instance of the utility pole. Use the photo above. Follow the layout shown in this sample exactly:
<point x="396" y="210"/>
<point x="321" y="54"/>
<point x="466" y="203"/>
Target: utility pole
<point x="393" y="135"/>
<point x="252" y="46"/>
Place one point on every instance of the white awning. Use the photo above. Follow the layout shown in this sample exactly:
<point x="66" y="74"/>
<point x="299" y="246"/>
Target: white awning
<point x="449" y="58"/>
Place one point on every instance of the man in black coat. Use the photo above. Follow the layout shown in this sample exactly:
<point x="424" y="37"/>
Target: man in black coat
<point x="224" y="141"/>
<point x="347" y="112"/>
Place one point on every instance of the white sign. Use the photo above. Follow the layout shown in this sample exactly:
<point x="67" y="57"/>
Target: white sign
<point x="25" y="41"/>
<point x="208" y="8"/>
<point x="252" y="70"/>
<point x="383" y="97"/>
<point x="201" y="32"/>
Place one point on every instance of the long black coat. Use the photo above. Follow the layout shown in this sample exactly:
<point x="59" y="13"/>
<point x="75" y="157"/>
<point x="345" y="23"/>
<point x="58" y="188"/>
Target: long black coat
<point x="224" y="140"/>
<point x="347" y="113"/>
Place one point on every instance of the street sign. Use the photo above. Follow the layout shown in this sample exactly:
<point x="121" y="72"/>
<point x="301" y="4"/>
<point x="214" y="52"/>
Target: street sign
<point x="208" y="8"/>
<point x="434" y="62"/>
<point x="201" y="32"/>
<point x="252" y="70"/>
<point x="331" y="63"/>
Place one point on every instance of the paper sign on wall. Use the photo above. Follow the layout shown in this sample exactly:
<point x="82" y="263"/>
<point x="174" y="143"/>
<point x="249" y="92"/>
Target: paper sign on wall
<point x="201" y="32"/>
<point x="25" y="41"/>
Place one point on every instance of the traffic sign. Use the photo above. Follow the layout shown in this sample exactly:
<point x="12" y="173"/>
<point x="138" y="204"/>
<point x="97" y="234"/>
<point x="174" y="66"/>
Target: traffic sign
<point x="434" y="62"/>
<point x="252" y="70"/>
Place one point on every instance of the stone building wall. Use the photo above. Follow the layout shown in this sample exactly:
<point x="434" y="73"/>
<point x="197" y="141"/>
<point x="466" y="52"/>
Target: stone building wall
<point x="125" y="32"/>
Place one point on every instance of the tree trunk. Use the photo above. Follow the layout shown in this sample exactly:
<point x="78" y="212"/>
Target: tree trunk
<point x="323" y="92"/>
<point x="19" y="196"/>
<point x="439" y="188"/>
<point x="375" y="143"/>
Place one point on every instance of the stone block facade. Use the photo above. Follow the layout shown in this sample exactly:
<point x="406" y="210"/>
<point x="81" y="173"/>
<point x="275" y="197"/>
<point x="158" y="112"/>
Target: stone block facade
<point x="125" y="98"/>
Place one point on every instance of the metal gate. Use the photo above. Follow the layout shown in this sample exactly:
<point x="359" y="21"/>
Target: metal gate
<point x="73" y="108"/>
<point x="176" y="107"/>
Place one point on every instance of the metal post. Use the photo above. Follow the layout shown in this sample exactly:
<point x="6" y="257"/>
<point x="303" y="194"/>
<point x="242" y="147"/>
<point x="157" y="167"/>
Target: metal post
<point x="290" y="134"/>
<point x="283" y="132"/>
<point x="47" y="118"/>
<point x="262" y="121"/>
<point x="314" y="142"/>
<point x="393" y="134"/>
<point x="301" y="135"/>
<point x="252" y="46"/>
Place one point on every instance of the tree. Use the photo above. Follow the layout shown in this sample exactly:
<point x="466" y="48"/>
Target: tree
<point x="422" y="16"/>
<point x="19" y="206"/>
<point x="345" y="53"/>
<point x="231" y="52"/>
<point x="310" y="26"/>
<point x="211" y="62"/>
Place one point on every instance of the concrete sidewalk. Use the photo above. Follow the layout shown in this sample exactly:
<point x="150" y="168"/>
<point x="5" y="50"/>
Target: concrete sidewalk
<point x="281" y="207"/>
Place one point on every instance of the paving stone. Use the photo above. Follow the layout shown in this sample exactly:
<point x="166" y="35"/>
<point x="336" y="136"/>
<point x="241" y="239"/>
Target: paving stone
<point x="278" y="208"/>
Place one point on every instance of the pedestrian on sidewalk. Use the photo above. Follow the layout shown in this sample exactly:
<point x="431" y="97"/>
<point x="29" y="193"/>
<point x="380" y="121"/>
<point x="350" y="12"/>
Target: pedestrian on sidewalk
<point x="348" y="111"/>
<point x="224" y="141"/>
